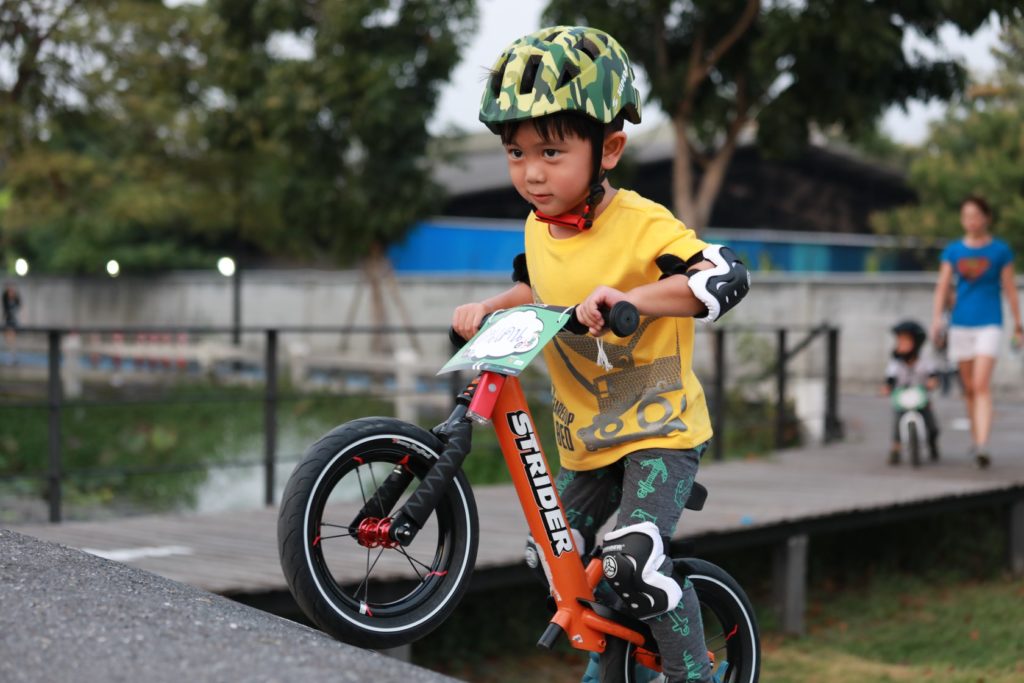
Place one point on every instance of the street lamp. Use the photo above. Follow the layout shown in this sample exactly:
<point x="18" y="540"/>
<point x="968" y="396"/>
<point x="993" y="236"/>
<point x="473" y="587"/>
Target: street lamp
<point x="21" y="267"/>
<point x="226" y="266"/>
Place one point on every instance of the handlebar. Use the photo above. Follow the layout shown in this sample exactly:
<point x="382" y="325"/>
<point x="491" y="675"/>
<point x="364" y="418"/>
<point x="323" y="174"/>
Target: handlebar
<point x="622" y="320"/>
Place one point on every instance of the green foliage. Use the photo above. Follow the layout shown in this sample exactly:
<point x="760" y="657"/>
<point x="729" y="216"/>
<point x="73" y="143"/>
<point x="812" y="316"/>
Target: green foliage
<point x="164" y="137"/>
<point x="978" y="148"/>
<point x="715" y="66"/>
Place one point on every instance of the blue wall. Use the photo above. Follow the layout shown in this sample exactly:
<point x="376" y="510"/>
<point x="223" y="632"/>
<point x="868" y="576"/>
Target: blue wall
<point x="486" y="247"/>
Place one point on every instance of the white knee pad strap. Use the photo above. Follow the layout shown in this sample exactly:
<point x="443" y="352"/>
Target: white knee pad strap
<point x="632" y="556"/>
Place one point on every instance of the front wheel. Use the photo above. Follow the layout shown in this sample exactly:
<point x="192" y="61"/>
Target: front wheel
<point x="347" y="582"/>
<point x="914" y="443"/>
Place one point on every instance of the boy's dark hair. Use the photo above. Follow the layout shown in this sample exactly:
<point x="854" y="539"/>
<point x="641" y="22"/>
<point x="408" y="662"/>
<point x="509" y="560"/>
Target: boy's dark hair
<point x="979" y="202"/>
<point x="563" y="124"/>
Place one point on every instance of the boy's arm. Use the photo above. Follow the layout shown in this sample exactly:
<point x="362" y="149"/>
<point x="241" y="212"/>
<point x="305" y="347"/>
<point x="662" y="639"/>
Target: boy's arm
<point x="466" y="318"/>
<point x="671" y="296"/>
<point x="706" y="286"/>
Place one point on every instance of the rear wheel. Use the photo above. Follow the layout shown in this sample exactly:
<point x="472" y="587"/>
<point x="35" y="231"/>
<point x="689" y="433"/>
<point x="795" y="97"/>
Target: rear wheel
<point x="730" y="630"/>
<point x="730" y="627"/>
<point x="350" y="584"/>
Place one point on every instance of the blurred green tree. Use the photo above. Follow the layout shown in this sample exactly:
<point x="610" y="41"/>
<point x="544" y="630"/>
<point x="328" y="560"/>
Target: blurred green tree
<point x="94" y="134"/>
<point x="978" y="148"/>
<point x="717" y="67"/>
<point x="164" y="136"/>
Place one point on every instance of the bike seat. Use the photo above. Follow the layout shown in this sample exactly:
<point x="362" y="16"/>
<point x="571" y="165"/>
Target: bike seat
<point x="698" y="495"/>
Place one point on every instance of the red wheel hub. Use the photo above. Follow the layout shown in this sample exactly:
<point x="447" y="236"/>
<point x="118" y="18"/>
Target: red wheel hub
<point x="376" y="533"/>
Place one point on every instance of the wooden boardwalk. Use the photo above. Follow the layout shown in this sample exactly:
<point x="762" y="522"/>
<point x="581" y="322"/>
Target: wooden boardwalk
<point x="750" y="502"/>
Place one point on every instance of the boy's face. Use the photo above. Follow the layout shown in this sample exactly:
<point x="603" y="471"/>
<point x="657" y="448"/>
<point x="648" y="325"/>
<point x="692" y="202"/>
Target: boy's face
<point x="904" y="343"/>
<point x="553" y="175"/>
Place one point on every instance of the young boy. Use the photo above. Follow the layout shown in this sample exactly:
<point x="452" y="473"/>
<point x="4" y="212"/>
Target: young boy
<point x="631" y="435"/>
<point x="905" y="369"/>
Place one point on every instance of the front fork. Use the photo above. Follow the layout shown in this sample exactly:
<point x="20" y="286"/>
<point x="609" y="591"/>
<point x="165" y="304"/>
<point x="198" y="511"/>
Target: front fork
<point x="372" y="525"/>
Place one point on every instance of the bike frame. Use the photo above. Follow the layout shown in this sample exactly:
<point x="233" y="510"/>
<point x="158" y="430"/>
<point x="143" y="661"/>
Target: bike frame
<point x="499" y="399"/>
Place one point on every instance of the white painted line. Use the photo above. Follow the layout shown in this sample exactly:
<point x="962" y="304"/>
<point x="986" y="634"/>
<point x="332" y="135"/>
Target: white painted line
<point x="129" y="554"/>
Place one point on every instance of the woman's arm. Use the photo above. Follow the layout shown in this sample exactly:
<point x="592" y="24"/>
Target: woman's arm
<point x="941" y="297"/>
<point x="1010" y="290"/>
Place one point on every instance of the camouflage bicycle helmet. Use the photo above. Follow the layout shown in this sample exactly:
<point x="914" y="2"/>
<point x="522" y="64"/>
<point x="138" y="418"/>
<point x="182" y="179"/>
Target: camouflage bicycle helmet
<point x="561" y="69"/>
<point x="574" y="69"/>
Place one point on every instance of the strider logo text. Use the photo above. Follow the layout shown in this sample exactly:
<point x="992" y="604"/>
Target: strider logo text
<point x="540" y="481"/>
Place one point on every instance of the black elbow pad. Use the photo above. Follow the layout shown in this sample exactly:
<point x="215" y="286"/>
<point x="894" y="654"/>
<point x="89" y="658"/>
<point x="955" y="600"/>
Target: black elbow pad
<point x="519" y="271"/>
<point x="722" y="287"/>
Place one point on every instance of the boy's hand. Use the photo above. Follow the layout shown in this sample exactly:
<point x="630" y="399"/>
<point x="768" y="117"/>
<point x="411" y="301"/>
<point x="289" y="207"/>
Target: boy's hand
<point x="466" y="319"/>
<point x="886" y="390"/>
<point x="588" y="312"/>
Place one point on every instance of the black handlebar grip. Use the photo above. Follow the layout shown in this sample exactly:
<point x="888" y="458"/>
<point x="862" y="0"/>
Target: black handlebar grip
<point x="623" y="319"/>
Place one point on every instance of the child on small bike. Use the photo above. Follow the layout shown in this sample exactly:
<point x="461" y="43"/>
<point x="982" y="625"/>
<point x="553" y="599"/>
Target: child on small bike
<point x="909" y="370"/>
<point x="630" y="414"/>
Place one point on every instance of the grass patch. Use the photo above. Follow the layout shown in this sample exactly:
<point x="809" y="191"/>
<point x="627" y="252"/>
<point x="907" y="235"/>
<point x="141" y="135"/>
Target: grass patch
<point x="906" y="628"/>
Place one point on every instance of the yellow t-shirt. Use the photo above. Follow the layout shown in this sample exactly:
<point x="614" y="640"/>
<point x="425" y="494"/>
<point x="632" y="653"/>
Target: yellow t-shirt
<point x="650" y="398"/>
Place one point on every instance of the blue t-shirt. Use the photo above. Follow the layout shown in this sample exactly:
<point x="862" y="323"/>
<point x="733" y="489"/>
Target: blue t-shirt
<point x="977" y="271"/>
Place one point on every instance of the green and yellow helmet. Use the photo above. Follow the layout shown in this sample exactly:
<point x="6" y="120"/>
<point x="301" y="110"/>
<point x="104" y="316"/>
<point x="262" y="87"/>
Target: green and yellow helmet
<point x="561" y="68"/>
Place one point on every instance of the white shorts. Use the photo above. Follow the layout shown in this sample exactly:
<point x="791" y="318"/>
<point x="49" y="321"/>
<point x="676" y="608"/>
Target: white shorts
<point x="966" y="343"/>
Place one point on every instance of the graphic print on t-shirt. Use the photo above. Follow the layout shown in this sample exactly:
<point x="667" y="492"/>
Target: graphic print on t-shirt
<point x="631" y="400"/>
<point x="972" y="267"/>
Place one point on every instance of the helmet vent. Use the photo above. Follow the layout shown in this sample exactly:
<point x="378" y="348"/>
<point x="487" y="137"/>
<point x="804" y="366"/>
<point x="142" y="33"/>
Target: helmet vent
<point x="498" y="76"/>
<point x="569" y="72"/>
<point x="529" y="74"/>
<point x="588" y="47"/>
<point x="551" y="37"/>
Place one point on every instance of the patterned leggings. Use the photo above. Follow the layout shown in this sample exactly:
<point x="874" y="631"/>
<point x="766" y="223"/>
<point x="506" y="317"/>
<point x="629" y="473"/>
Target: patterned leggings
<point x="650" y="485"/>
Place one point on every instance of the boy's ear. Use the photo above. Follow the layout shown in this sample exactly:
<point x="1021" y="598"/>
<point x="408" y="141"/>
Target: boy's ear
<point x="614" y="146"/>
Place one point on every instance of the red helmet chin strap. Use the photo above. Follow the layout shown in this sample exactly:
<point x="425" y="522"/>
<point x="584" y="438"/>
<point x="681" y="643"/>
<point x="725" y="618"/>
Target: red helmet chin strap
<point x="575" y="221"/>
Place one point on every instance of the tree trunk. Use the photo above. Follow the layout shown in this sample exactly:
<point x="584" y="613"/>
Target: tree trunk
<point x="682" y="178"/>
<point x="711" y="182"/>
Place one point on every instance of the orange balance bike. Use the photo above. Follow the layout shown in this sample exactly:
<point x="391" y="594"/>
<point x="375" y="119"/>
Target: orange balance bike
<point x="378" y="531"/>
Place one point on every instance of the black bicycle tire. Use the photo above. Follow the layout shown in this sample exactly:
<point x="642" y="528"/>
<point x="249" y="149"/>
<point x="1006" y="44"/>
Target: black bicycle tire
<point x="718" y="591"/>
<point x="716" y="588"/>
<point x="315" y="593"/>
<point x="914" y="443"/>
<point x="618" y="661"/>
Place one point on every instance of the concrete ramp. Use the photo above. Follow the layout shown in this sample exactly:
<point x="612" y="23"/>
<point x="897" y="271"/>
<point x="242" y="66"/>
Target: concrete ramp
<point x="66" y="615"/>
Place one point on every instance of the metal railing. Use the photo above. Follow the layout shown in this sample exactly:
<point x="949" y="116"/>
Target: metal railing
<point x="57" y="359"/>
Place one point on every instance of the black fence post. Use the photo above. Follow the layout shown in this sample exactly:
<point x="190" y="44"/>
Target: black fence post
<point x="719" y="410"/>
<point x="833" y="425"/>
<point x="780" y="384"/>
<point x="236" y="306"/>
<point x="55" y="398"/>
<point x="270" y="417"/>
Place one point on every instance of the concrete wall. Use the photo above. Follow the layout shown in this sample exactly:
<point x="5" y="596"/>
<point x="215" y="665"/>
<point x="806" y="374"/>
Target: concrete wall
<point x="863" y="306"/>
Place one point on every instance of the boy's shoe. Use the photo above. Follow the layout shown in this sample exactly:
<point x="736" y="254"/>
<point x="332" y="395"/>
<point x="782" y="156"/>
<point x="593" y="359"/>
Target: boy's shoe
<point x="894" y="457"/>
<point x="983" y="459"/>
<point x="933" y="451"/>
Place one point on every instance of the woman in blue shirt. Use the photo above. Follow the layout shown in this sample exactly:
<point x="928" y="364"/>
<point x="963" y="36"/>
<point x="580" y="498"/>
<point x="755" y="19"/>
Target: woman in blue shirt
<point x="983" y="270"/>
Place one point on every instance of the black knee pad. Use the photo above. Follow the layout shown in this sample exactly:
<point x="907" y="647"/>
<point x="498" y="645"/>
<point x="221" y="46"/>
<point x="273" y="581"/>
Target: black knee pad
<point x="632" y="557"/>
